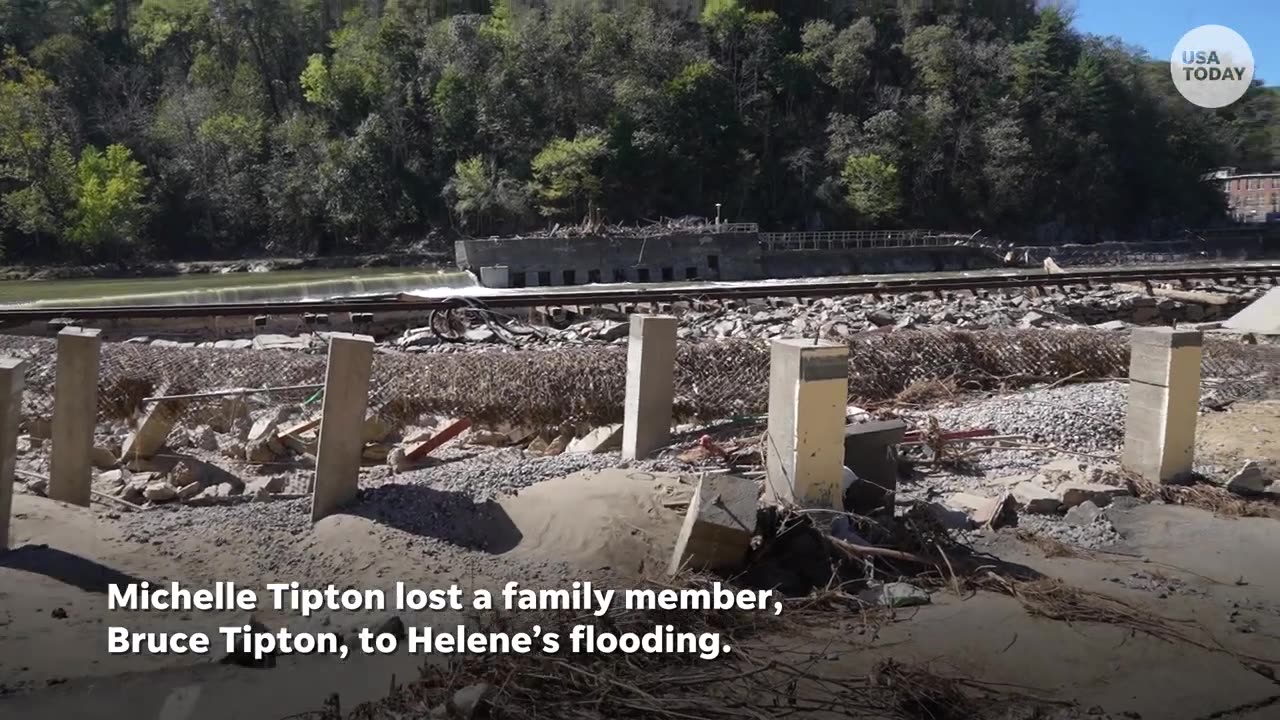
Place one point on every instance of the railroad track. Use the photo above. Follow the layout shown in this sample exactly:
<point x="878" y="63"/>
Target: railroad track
<point x="631" y="296"/>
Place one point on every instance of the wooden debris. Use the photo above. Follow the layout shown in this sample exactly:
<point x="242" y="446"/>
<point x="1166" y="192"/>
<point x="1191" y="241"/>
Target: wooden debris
<point x="300" y="428"/>
<point x="426" y="447"/>
<point x="1188" y="296"/>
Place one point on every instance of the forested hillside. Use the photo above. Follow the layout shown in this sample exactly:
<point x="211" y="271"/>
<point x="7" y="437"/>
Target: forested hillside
<point x="205" y="128"/>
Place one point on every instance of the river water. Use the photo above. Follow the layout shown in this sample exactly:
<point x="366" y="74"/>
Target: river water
<point x="276" y="286"/>
<point x="292" y="285"/>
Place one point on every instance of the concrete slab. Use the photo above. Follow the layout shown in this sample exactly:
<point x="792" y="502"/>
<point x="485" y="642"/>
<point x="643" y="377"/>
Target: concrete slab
<point x="869" y="453"/>
<point x="718" y="526"/>
<point x="1261" y="317"/>
<point x="600" y="440"/>
<point x="152" y="432"/>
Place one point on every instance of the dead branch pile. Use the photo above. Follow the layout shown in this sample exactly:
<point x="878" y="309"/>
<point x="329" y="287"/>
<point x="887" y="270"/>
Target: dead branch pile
<point x="1205" y="496"/>
<point x="758" y="679"/>
<point x="593" y="224"/>
<point x="779" y="666"/>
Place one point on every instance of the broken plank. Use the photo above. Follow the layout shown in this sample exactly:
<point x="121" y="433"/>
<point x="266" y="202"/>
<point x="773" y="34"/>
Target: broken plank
<point x="302" y="427"/>
<point x="425" y="447"/>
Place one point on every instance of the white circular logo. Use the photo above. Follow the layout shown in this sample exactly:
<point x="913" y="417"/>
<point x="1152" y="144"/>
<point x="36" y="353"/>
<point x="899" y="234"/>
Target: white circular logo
<point x="1212" y="66"/>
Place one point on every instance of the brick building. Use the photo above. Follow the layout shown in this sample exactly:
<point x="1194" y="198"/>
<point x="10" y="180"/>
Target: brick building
<point x="1251" y="197"/>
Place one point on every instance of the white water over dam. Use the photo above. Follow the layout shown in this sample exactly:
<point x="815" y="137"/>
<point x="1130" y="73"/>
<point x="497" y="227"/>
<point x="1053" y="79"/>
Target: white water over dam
<point x="297" y="285"/>
<point x="279" y="286"/>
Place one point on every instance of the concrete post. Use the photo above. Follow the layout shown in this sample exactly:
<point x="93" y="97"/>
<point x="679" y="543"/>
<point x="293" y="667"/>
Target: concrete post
<point x="75" y="412"/>
<point x="1164" y="402"/>
<point x="869" y="453"/>
<point x="808" y="397"/>
<point x="341" y="441"/>
<point x="11" y="384"/>
<point x="651" y="362"/>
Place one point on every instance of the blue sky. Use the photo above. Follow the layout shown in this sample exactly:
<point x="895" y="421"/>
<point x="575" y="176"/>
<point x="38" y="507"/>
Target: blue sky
<point x="1157" y="25"/>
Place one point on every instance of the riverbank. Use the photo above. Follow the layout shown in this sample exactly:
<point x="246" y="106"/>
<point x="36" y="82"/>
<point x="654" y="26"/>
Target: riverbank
<point x="274" y="286"/>
<point x="162" y="268"/>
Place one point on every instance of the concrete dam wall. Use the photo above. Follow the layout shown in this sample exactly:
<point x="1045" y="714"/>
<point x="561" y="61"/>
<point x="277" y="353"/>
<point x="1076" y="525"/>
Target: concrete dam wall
<point x="818" y="263"/>
<point x="534" y="262"/>
<point x="727" y="256"/>
<point x="742" y="252"/>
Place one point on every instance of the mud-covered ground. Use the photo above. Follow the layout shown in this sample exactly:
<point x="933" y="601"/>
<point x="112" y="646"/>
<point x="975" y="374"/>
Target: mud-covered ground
<point x="554" y="520"/>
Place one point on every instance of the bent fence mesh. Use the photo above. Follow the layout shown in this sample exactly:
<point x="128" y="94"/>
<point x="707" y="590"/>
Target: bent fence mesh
<point x="714" y="380"/>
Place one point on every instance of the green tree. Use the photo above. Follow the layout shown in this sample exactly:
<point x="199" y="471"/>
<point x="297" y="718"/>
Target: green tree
<point x="111" y="209"/>
<point x="355" y="78"/>
<point x="566" y="175"/>
<point x="483" y="196"/>
<point x="303" y="126"/>
<point x="37" y="169"/>
<point x="871" y="187"/>
<point x="1042" y="61"/>
<point x="295" y="207"/>
<point x="841" y="57"/>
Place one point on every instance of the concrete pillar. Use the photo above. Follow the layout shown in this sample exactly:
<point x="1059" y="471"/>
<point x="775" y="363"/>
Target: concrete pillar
<point x="808" y="394"/>
<point x="75" y="412"/>
<point x="341" y="441"/>
<point x="651" y="362"/>
<point x="1164" y="402"/>
<point x="11" y="384"/>
<point x="495" y="276"/>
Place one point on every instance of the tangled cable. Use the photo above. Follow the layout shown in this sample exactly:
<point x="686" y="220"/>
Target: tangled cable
<point x="459" y="317"/>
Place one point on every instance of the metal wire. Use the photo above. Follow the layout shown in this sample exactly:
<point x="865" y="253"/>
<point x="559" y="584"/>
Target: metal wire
<point x="714" y="380"/>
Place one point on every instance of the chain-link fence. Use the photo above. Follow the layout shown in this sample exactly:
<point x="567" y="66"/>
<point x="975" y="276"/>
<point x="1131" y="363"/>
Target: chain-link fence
<point x="714" y="380"/>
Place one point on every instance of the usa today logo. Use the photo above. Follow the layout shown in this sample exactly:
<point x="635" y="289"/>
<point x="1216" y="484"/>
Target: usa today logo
<point x="1212" y="66"/>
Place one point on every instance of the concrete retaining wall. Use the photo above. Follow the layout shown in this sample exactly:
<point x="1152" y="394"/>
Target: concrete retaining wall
<point x="536" y="262"/>
<point x="533" y="262"/>
<point x="817" y="263"/>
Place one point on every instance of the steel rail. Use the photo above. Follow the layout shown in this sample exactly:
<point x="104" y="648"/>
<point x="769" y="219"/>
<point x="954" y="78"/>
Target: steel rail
<point x="406" y="304"/>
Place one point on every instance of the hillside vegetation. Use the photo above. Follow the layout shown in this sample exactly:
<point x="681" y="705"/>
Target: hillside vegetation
<point x="208" y="128"/>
